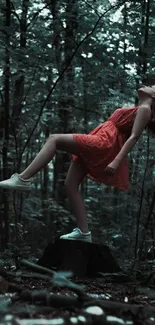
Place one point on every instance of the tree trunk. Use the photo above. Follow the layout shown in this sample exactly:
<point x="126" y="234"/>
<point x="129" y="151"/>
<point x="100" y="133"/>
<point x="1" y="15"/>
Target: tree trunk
<point x="5" y="216"/>
<point x="20" y="80"/>
<point x="66" y="99"/>
<point x="85" y="110"/>
<point x="142" y="70"/>
<point x="45" y="183"/>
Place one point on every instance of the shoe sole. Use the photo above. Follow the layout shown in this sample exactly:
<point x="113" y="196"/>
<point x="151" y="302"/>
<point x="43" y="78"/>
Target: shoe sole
<point x="78" y="239"/>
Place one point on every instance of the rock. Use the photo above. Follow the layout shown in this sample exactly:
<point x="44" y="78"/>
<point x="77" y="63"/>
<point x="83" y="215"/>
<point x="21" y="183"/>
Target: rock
<point x="82" y="258"/>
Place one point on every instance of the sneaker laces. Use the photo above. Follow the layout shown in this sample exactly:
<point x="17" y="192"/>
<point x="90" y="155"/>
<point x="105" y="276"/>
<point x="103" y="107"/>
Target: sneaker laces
<point x="20" y="178"/>
<point x="77" y="229"/>
<point x="14" y="175"/>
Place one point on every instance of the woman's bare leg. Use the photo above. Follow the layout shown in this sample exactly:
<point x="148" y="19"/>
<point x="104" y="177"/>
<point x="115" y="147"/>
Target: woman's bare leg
<point x="57" y="141"/>
<point x="76" y="174"/>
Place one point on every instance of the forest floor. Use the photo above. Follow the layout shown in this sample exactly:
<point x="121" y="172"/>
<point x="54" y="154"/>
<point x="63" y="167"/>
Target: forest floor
<point x="122" y="300"/>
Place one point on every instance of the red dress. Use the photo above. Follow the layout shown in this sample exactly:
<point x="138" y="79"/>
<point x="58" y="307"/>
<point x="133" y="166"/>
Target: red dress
<point x="101" y="146"/>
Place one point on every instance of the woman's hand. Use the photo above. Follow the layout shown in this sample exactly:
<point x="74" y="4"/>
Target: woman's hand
<point x="112" y="167"/>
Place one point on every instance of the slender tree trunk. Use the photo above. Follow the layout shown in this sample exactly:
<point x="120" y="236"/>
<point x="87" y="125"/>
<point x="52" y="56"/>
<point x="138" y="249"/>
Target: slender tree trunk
<point x="66" y="98"/>
<point x="142" y="61"/>
<point x="85" y="109"/>
<point x="18" y="95"/>
<point x="125" y="46"/>
<point x="5" y="216"/>
<point x="142" y="70"/>
<point x="140" y="51"/>
<point x="146" y="224"/>
<point x="145" y="43"/>
<point x="45" y="183"/>
<point x="123" y="74"/>
<point x="20" y="80"/>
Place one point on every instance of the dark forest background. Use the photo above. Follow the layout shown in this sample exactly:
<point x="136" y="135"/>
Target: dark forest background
<point x="65" y="67"/>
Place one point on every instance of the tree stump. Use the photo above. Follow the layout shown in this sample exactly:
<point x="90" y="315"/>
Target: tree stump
<point x="82" y="258"/>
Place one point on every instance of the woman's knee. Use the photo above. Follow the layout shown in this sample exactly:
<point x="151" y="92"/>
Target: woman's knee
<point x="76" y="173"/>
<point x="70" y="186"/>
<point x="52" y="137"/>
<point x="65" y="142"/>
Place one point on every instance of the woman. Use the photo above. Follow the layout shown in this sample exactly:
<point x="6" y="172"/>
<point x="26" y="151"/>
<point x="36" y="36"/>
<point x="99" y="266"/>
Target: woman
<point x="102" y="155"/>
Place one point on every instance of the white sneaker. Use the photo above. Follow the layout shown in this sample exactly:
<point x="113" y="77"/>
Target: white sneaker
<point x="77" y="234"/>
<point x="16" y="183"/>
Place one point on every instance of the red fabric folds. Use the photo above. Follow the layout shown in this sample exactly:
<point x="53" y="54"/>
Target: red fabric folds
<point x="101" y="145"/>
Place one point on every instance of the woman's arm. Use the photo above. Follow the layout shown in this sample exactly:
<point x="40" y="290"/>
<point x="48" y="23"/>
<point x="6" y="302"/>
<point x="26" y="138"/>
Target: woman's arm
<point x="141" y="120"/>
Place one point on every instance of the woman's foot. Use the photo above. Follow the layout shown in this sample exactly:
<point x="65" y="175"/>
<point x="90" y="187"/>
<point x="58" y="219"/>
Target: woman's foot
<point x="77" y="234"/>
<point x="15" y="182"/>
